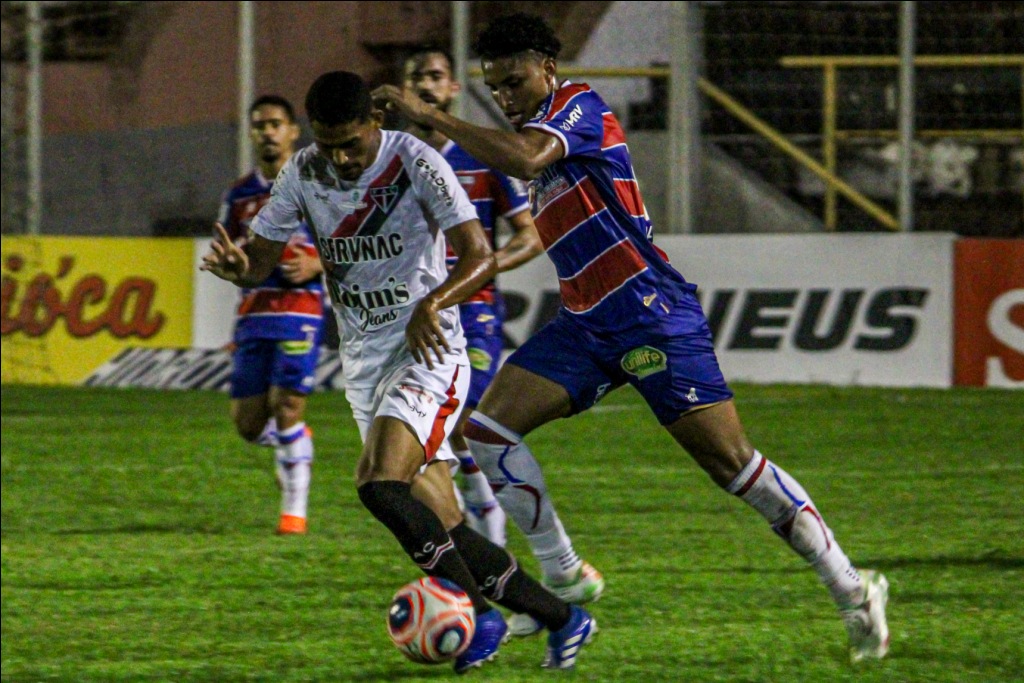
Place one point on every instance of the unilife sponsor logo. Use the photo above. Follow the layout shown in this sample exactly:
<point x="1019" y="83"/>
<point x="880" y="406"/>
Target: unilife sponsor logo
<point x="644" y="361"/>
<point x="361" y="248"/>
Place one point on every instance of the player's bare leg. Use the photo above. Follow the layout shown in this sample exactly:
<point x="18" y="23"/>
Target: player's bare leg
<point x="390" y="462"/>
<point x="715" y="438"/>
<point x="274" y="420"/>
<point x="517" y="402"/>
<point x="494" y="568"/>
<point x="293" y="458"/>
<point x="250" y="415"/>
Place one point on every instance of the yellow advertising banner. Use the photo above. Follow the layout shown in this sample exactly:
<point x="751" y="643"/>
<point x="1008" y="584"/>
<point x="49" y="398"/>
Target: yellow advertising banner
<point x="72" y="303"/>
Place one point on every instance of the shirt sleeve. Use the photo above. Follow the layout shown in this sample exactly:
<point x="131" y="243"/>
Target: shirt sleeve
<point x="577" y="119"/>
<point x="437" y="186"/>
<point x="281" y="216"/>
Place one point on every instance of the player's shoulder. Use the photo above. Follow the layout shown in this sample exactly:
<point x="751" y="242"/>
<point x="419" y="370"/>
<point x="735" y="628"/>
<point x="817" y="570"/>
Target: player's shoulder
<point x="417" y="156"/>
<point x="571" y="99"/>
<point x="407" y="145"/>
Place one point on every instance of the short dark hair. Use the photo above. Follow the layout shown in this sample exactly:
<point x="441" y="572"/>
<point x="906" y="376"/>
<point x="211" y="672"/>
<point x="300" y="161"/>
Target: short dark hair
<point x="431" y="49"/>
<point x="276" y="101"/>
<point x="515" y="33"/>
<point x="338" y="97"/>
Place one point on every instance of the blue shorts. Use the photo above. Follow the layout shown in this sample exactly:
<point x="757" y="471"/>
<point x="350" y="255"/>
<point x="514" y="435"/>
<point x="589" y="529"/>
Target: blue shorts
<point x="259" y="364"/>
<point x="481" y="323"/>
<point x="673" y="364"/>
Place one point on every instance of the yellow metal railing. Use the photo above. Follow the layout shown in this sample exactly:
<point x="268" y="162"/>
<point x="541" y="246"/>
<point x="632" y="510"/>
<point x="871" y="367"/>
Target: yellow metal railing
<point x="831" y="135"/>
<point x="825" y="170"/>
<point x="833" y="182"/>
<point x="748" y="117"/>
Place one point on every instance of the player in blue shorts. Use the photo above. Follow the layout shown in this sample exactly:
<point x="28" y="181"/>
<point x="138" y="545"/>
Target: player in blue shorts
<point x="280" y="321"/>
<point x="428" y="73"/>
<point x="627" y="315"/>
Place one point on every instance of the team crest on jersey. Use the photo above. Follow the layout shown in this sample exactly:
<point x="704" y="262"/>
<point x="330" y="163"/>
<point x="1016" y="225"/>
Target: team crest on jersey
<point x="384" y="197"/>
<point x="644" y="361"/>
<point x="546" y="188"/>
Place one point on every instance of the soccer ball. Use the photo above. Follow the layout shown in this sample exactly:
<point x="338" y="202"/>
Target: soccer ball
<point x="431" y="620"/>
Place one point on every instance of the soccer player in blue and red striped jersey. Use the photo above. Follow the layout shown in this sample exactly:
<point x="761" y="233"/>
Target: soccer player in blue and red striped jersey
<point x="278" y="330"/>
<point x="428" y="73"/>
<point x="627" y="315"/>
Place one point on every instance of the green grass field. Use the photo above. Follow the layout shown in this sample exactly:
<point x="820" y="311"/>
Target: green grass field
<point x="137" y="543"/>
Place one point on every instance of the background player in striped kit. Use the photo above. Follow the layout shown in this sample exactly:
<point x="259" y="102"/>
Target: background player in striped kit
<point x="277" y="334"/>
<point x="626" y="315"/>
<point x="382" y="205"/>
<point x="428" y="73"/>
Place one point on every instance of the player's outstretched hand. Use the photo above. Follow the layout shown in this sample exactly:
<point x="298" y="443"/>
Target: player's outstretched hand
<point x="301" y="267"/>
<point x="405" y="102"/>
<point x="424" y="335"/>
<point x="225" y="259"/>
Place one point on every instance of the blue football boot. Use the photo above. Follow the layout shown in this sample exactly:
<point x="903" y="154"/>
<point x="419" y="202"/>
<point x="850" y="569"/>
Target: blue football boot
<point x="489" y="634"/>
<point x="565" y="643"/>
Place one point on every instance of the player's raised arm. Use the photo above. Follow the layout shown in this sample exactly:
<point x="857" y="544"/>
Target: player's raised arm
<point x="475" y="266"/>
<point x="523" y="154"/>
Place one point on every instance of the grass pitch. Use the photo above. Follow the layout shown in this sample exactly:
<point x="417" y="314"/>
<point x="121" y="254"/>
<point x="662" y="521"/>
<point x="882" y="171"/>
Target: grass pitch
<point x="137" y="543"/>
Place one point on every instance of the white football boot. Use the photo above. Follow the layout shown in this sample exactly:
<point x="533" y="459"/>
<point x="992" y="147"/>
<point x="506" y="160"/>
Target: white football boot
<point x="865" y="624"/>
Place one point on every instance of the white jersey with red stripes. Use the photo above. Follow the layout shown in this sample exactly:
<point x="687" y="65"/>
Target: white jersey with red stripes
<point x="592" y="220"/>
<point x="381" y="240"/>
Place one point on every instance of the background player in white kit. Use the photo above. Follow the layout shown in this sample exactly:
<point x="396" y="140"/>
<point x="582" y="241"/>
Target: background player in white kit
<point x="380" y="204"/>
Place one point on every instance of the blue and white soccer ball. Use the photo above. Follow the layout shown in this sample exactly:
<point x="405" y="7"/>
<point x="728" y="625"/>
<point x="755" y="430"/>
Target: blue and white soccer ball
<point x="431" y="620"/>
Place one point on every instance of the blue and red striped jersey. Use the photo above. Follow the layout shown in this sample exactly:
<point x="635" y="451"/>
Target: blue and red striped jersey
<point x="494" y="195"/>
<point x="592" y="220"/>
<point x="276" y="309"/>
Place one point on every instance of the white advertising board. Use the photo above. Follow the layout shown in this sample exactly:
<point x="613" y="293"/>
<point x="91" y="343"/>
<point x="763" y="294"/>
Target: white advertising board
<point x="851" y="309"/>
<point x="213" y="305"/>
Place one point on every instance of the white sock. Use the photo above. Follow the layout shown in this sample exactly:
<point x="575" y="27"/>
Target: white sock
<point x="268" y="437"/>
<point x="483" y="513"/>
<point x="785" y="504"/>
<point x="476" y="489"/>
<point x="294" y="455"/>
<point x="517" y="480"/>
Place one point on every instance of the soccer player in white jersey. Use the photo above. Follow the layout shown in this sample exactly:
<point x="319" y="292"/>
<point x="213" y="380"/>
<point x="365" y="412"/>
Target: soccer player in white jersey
<point x="627" y="315"/>
<point x="381" y="205"/>
<point x="428" y="73"/>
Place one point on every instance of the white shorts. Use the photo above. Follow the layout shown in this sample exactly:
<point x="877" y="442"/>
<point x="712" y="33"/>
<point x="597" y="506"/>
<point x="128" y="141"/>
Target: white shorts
<point x="429" y="401"/>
